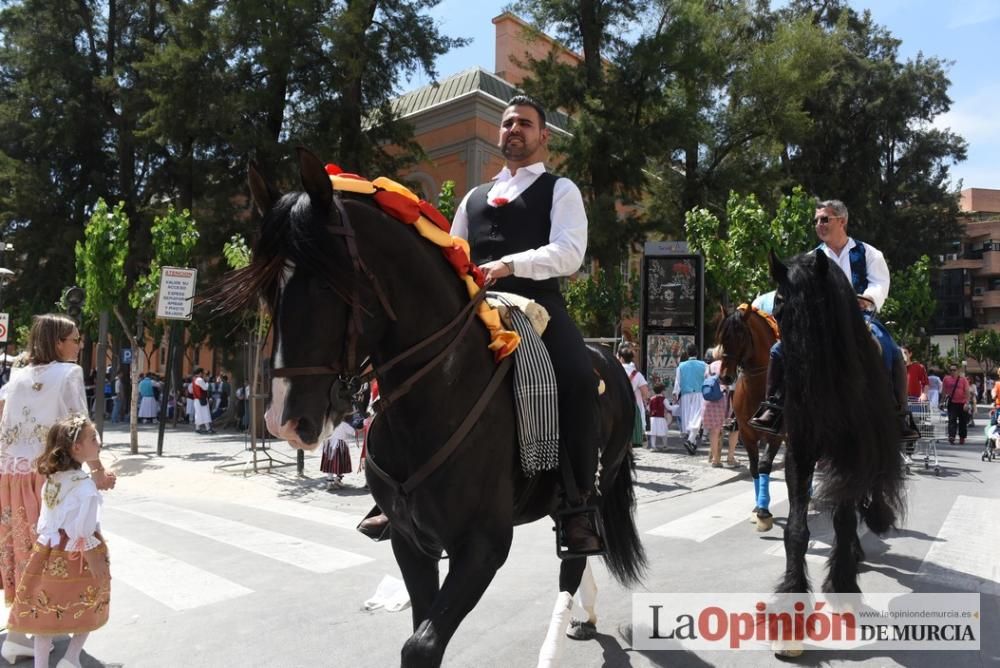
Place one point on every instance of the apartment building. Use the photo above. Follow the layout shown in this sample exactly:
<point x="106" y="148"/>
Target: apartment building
<point x="968" y="288"/>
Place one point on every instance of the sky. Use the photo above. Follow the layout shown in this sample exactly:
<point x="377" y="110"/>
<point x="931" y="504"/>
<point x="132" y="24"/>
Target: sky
<point x="964" y="32"/>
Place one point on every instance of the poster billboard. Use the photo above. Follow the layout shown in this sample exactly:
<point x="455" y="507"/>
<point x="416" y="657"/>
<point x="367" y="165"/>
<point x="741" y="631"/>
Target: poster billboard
<point x="663" y="352"/>
<point x="672" y="313"/>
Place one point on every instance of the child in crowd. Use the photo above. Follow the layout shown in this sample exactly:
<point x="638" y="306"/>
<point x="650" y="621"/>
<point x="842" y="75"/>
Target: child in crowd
<point x="336" y="460"/>
<point x="658" y="419"/>
<point x="66" y="585"/>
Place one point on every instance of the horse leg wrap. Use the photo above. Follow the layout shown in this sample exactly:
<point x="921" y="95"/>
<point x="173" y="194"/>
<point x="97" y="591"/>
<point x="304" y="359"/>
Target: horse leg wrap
<point x="548" y="656"/>
<point x="588" y="593"/>
<point x="756" y="489"/>
<point x="763" y="491"/>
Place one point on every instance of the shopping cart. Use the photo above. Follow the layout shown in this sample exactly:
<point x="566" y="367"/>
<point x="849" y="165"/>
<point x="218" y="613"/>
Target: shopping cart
<point x="931" y="425"/>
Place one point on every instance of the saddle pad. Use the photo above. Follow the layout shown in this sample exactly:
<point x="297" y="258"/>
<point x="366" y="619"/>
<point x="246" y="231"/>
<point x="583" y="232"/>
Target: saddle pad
<point x="536" y="313"/>
<point x="535" y="398"/>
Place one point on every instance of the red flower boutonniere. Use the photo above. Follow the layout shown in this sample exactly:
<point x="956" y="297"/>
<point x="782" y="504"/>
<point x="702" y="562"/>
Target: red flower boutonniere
<point x="499" y="201"/>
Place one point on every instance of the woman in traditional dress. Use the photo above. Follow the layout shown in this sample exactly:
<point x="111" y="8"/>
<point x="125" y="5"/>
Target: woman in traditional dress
<point x="45" y="386"/>
<point x="336" y="460"/>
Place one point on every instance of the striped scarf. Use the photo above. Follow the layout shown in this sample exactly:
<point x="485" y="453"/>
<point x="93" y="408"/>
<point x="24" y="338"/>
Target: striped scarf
<point x="535" y="397"/>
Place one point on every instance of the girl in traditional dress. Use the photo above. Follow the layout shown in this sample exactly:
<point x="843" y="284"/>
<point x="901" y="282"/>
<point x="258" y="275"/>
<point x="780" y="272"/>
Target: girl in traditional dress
<point x="66" y="585"/>
<point x="45" y="386"/>
<point x="658" y="419"/>
<point x="336" y="460"/>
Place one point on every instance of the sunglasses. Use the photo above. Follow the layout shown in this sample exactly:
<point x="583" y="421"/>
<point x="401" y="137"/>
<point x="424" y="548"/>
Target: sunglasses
<point x="824" y="219"/>
<point x="74" y="339"/>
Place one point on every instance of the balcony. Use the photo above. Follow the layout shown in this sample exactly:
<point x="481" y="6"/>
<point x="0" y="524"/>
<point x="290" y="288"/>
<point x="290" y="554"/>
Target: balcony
<point x="987" y="299"/>
<point x="990" y="264"/>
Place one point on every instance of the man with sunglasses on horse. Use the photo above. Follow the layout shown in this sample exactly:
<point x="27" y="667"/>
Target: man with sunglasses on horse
<point x="527" y="229"/>
<point x="866" y="268"/>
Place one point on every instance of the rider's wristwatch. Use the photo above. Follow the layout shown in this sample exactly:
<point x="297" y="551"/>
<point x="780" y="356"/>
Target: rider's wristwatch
<point x="507" y="262"/>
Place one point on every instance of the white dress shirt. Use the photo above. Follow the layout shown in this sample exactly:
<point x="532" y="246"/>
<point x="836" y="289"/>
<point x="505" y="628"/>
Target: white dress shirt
<point x="563" y="255"/>
<point x="878" y="270"/>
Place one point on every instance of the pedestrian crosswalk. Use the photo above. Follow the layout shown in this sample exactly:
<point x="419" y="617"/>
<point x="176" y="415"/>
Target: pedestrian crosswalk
<point x="958" y="554"/>
<point x="152" y="543"/>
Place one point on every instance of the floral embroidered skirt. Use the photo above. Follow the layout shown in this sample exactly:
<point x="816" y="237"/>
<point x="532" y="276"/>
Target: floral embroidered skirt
<point x="336" y="458"/>
<point x="57" y="594"/>
<point x="20" y="504"/>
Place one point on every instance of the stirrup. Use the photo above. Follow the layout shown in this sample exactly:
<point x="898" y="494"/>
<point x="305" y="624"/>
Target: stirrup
<point x="378" y="534"/>
<point x="779" y="418"/>
<point x="594" y="517"/>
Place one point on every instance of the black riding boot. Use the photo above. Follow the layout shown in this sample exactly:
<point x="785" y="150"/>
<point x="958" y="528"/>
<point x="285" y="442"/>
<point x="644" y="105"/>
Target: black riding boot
<point x="907" y="427"/>
<point x="768" y="417"/>
<point x="582" y="537"/>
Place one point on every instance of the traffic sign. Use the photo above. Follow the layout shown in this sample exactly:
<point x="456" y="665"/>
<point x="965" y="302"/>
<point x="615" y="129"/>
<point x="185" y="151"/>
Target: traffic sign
<point x="126" y="355"/>
<point x="4" y="323"/>
<point x="176" y="293"/>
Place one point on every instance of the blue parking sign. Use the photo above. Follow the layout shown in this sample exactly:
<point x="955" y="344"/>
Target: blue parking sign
<point x="126" y="355"/>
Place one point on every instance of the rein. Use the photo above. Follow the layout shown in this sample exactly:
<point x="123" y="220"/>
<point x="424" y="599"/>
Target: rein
<point x="746" y="369"/>
<point x="348" y="372"/>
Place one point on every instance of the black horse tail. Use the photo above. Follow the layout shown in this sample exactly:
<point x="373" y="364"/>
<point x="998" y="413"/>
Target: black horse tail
<point x="626" y="557"/>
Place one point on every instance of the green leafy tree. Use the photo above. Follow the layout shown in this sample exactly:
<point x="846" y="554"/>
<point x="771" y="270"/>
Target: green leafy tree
<point x="909" y="308"/>
<point x="736" y="253"/>
<point x="599" y="302"/>
<point x="872" y="142"/>
<point x="983" y="345"/>
<point x="446" y="200"/>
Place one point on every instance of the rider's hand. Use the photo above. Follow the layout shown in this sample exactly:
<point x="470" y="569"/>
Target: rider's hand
<point x="495" y="270"/>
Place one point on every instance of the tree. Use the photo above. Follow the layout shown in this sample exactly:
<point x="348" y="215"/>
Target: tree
<point x="446" y="200"/>
<point x="909" y="308"/>
<point x="983" y="345"/>
<point x="736" y="254"/>
<point x="598" y="303"/>
<point x="872" y="143"/>
<point x="100" y="262"/>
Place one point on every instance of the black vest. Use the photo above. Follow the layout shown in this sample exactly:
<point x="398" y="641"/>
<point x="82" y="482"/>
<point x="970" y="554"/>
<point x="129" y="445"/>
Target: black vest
<point x="519" y="225"/>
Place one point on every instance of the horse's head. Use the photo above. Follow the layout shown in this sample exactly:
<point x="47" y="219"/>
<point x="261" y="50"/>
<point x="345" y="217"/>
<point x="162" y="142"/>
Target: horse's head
<point x="736" y="340"/>
<point x="305" y="271"/>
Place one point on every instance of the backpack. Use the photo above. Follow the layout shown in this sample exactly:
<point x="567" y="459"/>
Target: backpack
<point x="711" y="389"/>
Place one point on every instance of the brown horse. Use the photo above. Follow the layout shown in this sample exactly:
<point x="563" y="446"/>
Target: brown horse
<point x="746" y="336"/>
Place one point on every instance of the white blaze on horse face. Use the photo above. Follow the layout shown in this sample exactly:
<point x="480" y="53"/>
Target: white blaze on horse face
<point x="281" y="386"/>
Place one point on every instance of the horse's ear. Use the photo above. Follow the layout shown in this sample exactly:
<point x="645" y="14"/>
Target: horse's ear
<point x="779" y="272"/>
<point x="722" y="312"/>
<point x="264" y="194"/>
<point x="315" y="180"/>
<point x="822" y="263"/>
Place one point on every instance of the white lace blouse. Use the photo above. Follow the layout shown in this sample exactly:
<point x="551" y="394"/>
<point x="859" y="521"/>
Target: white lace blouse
<point x="71" y="502"/>
<point x="36" y="396"/>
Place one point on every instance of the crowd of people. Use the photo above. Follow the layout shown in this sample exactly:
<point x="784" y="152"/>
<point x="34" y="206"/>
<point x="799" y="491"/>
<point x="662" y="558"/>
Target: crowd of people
<point x="699" y="402"/>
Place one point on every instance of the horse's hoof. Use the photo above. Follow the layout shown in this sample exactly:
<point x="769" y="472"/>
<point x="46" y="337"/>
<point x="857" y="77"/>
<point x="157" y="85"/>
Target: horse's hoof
<point x="787" y="649"/>
<point x="753" y="515"/>
<point x="581" y="630"/>
<point x="765" y="523"/>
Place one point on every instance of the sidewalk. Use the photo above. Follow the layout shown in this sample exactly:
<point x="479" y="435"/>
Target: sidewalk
<point x="215" y="466"/>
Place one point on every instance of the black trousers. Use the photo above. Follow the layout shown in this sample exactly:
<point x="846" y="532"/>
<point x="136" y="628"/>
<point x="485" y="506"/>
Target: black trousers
<point x="579" y="411"/>
<point x="957" y="417"/>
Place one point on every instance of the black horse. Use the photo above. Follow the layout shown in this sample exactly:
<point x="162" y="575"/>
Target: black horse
<point x="345" y="281"/>
<point x="839" y="411"/>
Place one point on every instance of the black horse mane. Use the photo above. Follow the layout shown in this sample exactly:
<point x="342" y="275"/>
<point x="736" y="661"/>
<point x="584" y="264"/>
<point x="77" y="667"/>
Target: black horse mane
<point x="290" y="235"/>
<point x="839" y="403"/>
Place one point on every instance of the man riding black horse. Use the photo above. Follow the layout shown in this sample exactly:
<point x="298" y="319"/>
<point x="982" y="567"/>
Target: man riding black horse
<point x="526" y="229"/>
<point x="866" y="268"/>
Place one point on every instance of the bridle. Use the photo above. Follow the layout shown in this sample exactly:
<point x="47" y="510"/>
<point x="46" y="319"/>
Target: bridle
<point x="741" y="360"/>
<point x="348" y="370"/>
